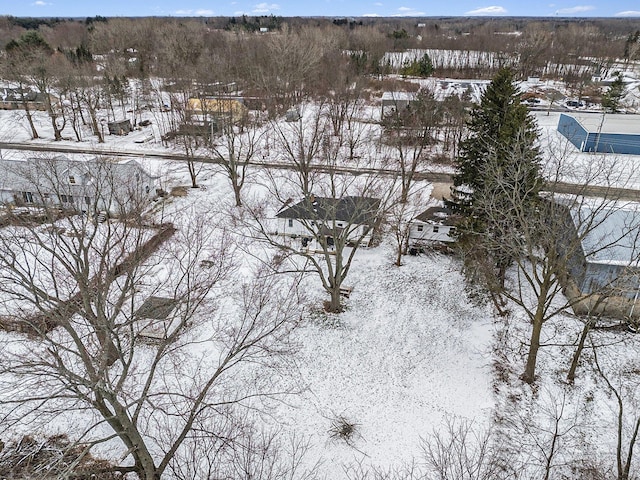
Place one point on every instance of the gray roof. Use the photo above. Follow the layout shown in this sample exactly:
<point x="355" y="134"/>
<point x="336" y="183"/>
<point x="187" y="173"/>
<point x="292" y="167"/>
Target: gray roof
<point x="611" y="234"/>
<point x="50" y="174"/>
<point x="351" y="209"/>
<point x="611" y="123"/>
<point x="439" y="215"/>
<point x="156" y="308"/>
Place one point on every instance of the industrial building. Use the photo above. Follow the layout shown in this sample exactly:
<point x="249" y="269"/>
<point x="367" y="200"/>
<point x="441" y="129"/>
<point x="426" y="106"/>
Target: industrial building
<point x="602" y="132"/>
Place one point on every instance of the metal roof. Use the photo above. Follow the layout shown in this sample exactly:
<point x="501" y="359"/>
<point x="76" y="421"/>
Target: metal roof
<point x="608" y="122"/>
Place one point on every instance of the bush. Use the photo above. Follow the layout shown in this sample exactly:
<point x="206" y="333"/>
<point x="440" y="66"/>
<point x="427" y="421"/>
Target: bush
<point x="51" y="458"/>
<point x="343" y="429"/>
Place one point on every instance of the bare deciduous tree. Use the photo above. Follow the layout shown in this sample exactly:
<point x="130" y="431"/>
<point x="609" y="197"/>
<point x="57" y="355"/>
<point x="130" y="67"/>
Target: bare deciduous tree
<point x="548" y="242"/>
<point x="463" y="452"/>
<point x="623" y="386"/>
<point x="120" y="324"/>
<point x="408" y="133"/>
<point x="235" y="148"/>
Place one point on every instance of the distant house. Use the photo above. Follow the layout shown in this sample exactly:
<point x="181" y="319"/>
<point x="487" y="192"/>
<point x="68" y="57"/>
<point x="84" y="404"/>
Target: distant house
<point x="219" y="108"/>
<point x="598" y="132"/>
<point x="353" y="218"/>
<point x="397" y="101"/>
<point x="435" y="224"/>
<point x="15" y="98"/>
<point x="91" y="186"/>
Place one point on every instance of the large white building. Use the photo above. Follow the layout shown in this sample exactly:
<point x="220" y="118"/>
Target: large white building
<point x="92" y="185"/>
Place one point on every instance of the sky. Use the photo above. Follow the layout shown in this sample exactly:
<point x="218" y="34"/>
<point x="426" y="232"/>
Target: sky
<point x="332" y="8"/>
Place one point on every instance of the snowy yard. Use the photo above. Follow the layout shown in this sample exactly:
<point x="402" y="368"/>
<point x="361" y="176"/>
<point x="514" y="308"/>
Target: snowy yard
<point x="408" y="353"/>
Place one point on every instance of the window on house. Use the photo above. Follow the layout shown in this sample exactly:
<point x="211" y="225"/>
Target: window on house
<point x="27" y="197"/>
<point x="436" y="229"/>
<point x="66" y="198"/>
<point x="340" y="224"/>
<point x="291" y="222"/>
<point x="87" y="200"/>
<point x="420" y="228"/>
<point x="72" y="179"/>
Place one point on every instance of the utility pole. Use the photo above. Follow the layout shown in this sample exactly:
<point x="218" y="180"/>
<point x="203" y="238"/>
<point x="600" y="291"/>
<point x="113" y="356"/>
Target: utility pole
<point x="595" y="150"/>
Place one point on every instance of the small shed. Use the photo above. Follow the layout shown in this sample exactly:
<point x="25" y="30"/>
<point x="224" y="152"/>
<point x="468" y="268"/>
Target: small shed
<point x="120" y="127"/>
<point x="292" y="115"/>
<point x="154" y="317"/>
<point x="396" y="101"/>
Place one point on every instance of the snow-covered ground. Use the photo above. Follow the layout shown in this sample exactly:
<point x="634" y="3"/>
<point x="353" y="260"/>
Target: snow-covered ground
<point x="409" y="353"/>
<point x="412" y="352"/>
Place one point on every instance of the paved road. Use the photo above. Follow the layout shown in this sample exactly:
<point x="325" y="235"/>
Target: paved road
<point x="429" y="176"/>
<point x="436" y="177"/>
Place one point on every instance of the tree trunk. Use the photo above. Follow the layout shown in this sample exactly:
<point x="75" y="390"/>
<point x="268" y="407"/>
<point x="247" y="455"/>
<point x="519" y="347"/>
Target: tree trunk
<point x="529" y="374"/>
<point x="27" y="111"/>
<point x="576" y="355"/>
<point x="335" y="305"/>
<point x="56" y="131"/>
<point x="398" y="262"/>
<point x="236" y="192"/>
<point x="118" y="419"/>
<point x="34" y="133"/>
<point x="94" y="125"/>
<point x="192" y="173"/>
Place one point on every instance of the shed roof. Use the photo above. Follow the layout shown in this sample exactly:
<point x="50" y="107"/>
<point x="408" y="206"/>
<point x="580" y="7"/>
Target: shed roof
<point x="156" y="308"/>
<point x="352" y="209"/>
<point x="608" y="122"/>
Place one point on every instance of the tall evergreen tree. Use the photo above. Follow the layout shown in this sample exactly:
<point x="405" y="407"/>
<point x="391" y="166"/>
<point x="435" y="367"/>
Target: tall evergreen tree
<point x="502" y="138"/>
<point x="612" y="98"/>
<point x="499" y="126"/>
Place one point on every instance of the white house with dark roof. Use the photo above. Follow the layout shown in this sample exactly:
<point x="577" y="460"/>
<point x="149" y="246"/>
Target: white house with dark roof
<point x="351" y="218"/>
<point x="93" y="185"/>
<point x="435" y="224"/>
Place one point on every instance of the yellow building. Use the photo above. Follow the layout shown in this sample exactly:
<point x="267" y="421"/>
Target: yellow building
<point x="218" y="107"/>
